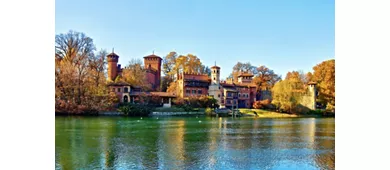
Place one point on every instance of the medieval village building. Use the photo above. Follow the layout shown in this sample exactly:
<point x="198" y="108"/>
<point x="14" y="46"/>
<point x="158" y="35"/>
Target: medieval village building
<point x="229" y="94"/>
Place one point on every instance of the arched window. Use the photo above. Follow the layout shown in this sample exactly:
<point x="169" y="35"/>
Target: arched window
<point x="126" y="90"/>
<point x="214" y="71"/>
<point x="125" y="99"/>
<point x="218" y="71"/>
<point x="214" y="78"/>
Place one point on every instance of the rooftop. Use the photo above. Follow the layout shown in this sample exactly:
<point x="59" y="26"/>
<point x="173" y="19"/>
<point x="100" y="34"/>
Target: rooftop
<point x="118" y="84"/>
<point x="153" y="56"/>
<point x="112" y="55"/>
<point x="216" y="67"/>
<point x="245" y="74"/>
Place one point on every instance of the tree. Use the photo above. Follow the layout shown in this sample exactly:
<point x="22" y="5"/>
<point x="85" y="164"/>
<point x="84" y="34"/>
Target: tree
<point x="283" y="97"/>
<point x="324" y="75"/>
<point x="246" y="67"/>
<point x="288" y="93"/>
<point x="169" y="65"/>
<point x="173" y="64"/>
<point x="165" y="82"/>
<point x="265" y="78"/>
<point x="97" y="67"/>
<point x="172" y="87"/>
<point x="205" y="70"/>
<point x="308" y="77"/>
<point x="135" y="74"/>
<point x="73" y="51"/>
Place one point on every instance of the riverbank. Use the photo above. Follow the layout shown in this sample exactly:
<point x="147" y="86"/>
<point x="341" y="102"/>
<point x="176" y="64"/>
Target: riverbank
<point x="174" y="111"/>
<point x="272" y="114"/>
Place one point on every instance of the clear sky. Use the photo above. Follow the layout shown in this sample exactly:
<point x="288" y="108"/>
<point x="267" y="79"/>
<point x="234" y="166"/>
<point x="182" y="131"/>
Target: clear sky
<point x="284" y="35"/>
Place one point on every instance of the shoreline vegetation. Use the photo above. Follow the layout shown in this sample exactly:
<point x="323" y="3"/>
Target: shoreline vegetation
<point x="146" y="111"/>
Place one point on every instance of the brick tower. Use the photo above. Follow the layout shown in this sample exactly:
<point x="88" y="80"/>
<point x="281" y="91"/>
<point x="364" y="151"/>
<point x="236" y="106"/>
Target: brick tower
<point x="153" y="65"/>
<point x="112" y="68"/>
<point x="214" y="87"/>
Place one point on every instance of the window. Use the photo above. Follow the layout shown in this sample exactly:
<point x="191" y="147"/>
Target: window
<point x="239" y="95"/>
<point x="113" y="89"/>
<point x="193" y="91"/>
<point x="219" y="87"/>
<point x="219" y="95"/>
<point x="217" y="71"/>
<point x="126" y="90"/>
<point x="214" y="78"/>
<point x="228" y="101"/>
<point x="214" y="71"/>
<point x="187" y="91"/>
<point x="119" y="89"/>
<point x="229" y="94"/>
<point x="199" y="91"/>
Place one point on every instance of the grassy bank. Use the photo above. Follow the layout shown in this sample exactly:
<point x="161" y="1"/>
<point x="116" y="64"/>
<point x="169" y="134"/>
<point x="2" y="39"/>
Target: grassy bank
<point x="268" y="114"/>
<point x="176" y="109"/>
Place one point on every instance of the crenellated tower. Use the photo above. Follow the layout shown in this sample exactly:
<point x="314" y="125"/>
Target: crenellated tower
<point x="112" y="66"/>
<point x="153" y="66"/>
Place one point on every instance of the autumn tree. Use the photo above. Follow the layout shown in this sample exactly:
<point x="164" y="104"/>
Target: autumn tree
<point x="308" y="77"/>
<point x="288" y="93"/>
<point x="73" y="51"/>
<point x="172" y="87"/>
<point x="174" y="64"/>
<point x="135" y="74"/>
<point x="265" y="78"/>
<point x="97" y="66"/>
<point x="168" y="65"/>
<point x="324" y="75"/>
<point x="246" y="67"/>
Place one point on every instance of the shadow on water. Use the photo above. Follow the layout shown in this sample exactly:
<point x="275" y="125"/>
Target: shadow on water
<point x="194" y="143"/>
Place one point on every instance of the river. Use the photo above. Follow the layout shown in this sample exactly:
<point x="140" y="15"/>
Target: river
<point x="194" y="143"/>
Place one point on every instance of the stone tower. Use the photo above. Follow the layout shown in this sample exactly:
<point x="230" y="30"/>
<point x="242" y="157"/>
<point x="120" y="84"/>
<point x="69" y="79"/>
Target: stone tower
<point x="153" y="65"/>
<point x="112" y="68"/>
<point x="313" y="94"/>
<point x="214" y="88"/>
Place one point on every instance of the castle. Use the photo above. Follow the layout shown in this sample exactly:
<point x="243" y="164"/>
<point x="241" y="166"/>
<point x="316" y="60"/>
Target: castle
<point x="229" y="94"/>
<point x="152" y="65"/>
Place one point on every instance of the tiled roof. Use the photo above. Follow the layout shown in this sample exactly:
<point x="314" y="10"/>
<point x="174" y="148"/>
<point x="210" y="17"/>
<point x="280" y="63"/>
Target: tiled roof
<point x="118" y="84"/>
<point x="112" y="55"/>
<point x="245" y="75"/>
<point x="152" y="56"/>
<point x="163" y="94"/>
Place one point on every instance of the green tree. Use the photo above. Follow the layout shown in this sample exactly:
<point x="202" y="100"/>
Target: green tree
<point x="288" y="93"/>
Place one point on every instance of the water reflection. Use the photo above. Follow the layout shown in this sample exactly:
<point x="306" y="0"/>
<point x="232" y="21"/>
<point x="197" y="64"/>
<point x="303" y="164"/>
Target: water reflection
<point x="187" y="143"/>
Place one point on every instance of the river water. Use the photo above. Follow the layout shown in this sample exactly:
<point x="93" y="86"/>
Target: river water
<point x="194" y="143"/>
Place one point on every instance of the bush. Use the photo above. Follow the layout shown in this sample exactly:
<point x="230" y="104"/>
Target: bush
<point x="262" y="104"/>
<point x="134" y="109"/>
<point x="209" y="111"/>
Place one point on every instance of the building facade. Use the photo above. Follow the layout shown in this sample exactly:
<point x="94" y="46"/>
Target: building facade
<point x="241" y="94"/>
<point x="152" y="64"/>
<point x="192" y="84"/>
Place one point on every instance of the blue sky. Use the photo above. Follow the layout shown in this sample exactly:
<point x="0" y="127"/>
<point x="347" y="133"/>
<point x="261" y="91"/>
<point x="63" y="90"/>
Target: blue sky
<point x="284" y="35"/>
